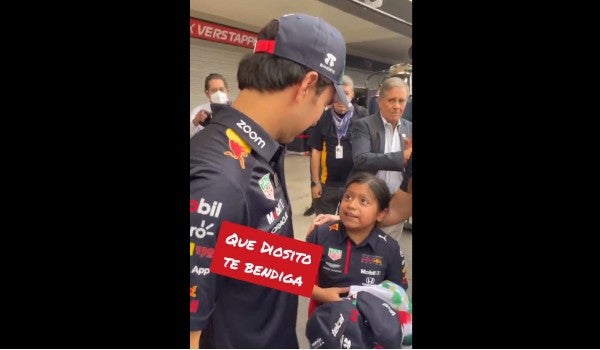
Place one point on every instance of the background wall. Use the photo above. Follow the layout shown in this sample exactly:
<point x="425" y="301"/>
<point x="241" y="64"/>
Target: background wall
<point x="209" y="57"/>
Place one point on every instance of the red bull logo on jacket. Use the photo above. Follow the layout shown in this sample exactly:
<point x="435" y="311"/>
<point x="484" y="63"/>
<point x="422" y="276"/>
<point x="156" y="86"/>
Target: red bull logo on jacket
<point x="238" y="148"/>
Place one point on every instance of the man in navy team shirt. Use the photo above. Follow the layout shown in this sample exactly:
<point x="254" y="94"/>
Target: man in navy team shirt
<point x="236" y="174"/>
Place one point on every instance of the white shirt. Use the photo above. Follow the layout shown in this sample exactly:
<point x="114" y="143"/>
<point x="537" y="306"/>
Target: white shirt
<point x="392" y="144"/>
<point x="193" y="128"/>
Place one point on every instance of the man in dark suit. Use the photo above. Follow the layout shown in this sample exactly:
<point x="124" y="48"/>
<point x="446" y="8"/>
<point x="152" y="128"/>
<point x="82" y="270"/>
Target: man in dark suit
<point x="382" y="142"/>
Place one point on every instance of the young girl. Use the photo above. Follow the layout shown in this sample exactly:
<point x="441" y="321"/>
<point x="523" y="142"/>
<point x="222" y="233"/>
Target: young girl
<point x="356" y="251"/>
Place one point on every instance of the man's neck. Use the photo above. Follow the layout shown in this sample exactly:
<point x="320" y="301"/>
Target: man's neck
<point x="267" y="109"/>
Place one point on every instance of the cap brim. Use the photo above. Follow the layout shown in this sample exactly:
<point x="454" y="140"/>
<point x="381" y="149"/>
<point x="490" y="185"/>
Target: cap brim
<point x="341" y="94"/>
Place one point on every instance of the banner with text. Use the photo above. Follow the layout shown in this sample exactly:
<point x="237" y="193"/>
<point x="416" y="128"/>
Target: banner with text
<point x="269" y="260"/>
<point x="221" y="34"/>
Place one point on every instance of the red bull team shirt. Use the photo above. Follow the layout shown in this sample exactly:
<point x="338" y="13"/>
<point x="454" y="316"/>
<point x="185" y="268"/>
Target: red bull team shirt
<point x="344" y="263"/>
<point x="237" y="174"/>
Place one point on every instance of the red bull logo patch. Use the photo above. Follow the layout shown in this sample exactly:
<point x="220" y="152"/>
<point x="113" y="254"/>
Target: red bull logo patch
<point x="238" y="148"/>
<point x="371" y="259"/>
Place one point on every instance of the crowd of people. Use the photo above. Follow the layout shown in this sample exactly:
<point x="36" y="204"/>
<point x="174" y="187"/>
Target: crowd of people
<point x="360" y="169"/>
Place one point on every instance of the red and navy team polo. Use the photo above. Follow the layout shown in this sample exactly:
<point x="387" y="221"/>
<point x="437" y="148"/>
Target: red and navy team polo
<point x="237" y="174"/>
<point x="344" y="263"/>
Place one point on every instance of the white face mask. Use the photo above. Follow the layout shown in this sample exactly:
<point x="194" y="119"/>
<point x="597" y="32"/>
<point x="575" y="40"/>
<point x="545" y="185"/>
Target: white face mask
<point x="219" y="97"/>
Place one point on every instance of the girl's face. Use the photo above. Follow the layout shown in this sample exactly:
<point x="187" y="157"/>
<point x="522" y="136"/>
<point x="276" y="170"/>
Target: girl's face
<point x="359" y="208"/>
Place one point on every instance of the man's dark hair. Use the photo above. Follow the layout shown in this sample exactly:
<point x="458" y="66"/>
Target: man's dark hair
<point x="212" y="76"/>
<point x="265" y="72"/>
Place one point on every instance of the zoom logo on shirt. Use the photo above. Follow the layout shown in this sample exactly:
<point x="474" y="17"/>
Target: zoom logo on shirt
<point x="247" y="129"/>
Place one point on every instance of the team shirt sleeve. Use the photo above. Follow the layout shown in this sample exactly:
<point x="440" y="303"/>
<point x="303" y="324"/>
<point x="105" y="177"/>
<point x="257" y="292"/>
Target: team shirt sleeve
<point x="212" y="200"/>
<point x="396" y="269"/>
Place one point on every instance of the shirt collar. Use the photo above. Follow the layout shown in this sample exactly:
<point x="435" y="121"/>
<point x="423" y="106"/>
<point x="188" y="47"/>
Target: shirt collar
<point x="385" y="122"/>
<point x="254" y="135"/>
<point x="376" y="236"/>
<point x="371" y="240"/>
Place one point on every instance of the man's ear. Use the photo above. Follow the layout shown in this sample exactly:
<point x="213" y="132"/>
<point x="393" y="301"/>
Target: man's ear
<point x="382" y="214"/>
<point x="311" y="77"/>
<point x="308" y="82"/>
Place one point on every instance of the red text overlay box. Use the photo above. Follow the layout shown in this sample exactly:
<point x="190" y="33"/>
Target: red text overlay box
<point x="266" y="259"/>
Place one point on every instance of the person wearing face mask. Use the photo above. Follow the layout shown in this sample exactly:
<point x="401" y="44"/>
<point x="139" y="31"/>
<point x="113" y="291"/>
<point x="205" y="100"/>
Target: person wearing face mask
<point x="331" y="151"/>
<point x="217" y="91"/>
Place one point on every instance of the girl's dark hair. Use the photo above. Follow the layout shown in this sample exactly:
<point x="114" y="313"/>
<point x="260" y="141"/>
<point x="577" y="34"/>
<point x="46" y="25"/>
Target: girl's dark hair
<point x="265" y="72"/>
<point x="212" y="76"/>
<point x="377" y="185"/>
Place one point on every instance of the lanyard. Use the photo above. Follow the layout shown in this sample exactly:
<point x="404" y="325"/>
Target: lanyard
<point x="342" y="124"/>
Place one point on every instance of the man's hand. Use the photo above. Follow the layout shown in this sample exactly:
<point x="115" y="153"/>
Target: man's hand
<point x="407" y="149"/>
<point x="316" y="190"/>
<point x="327" y="295"/>
<point x="321" y="219"/>
<point x="200" y="117"/>
<point x="400" y="208"/>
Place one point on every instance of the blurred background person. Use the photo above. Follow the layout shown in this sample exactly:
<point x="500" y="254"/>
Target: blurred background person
<point x="217" y="91"/>
<point x="331" y="151"/>
<point x="382" y="142"/>
<point x="400" y="208"/>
